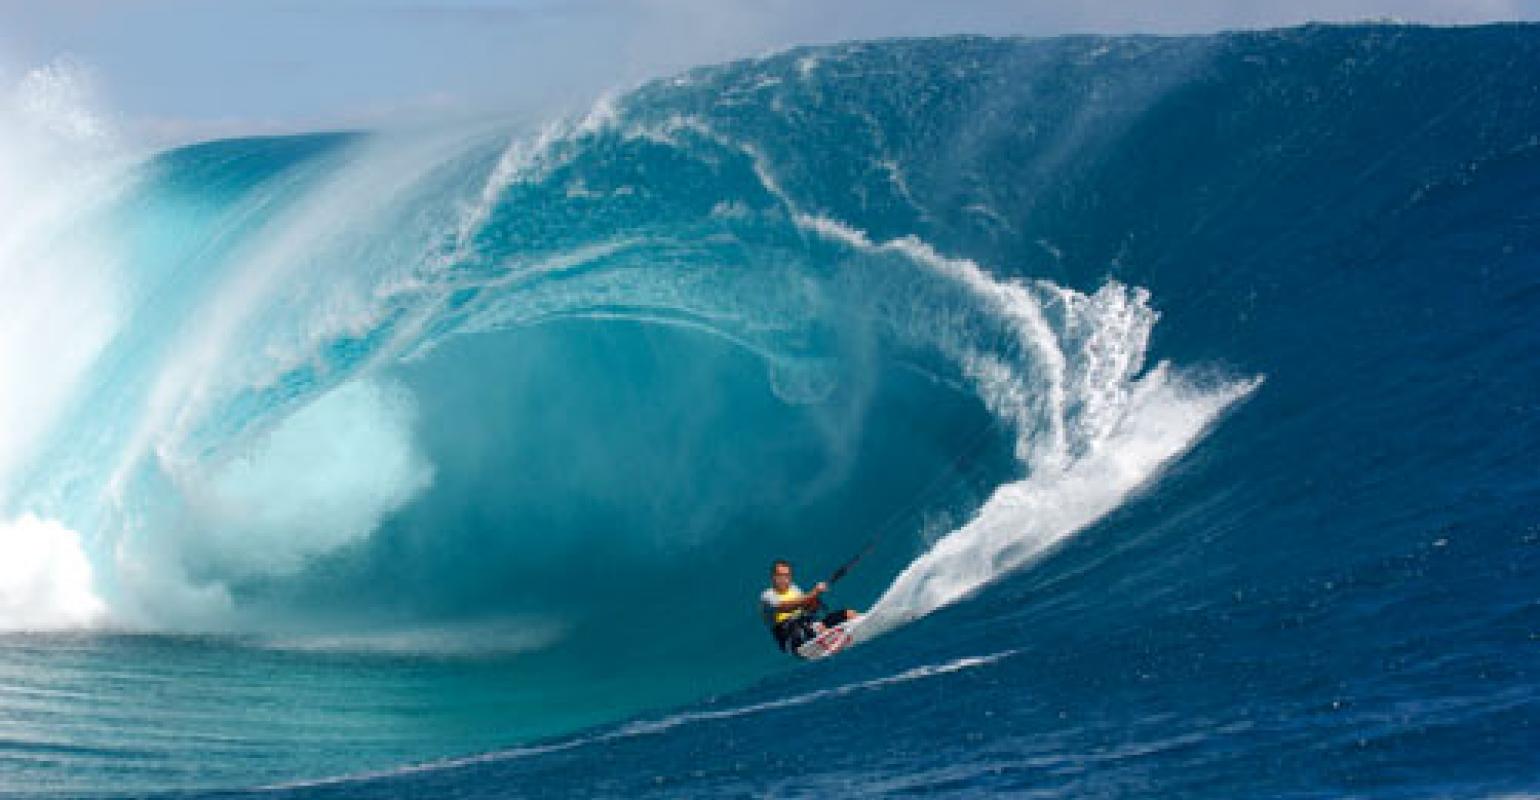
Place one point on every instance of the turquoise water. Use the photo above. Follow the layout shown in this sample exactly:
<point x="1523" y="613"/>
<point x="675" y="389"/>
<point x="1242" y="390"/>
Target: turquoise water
<point x="1187" y="383"/>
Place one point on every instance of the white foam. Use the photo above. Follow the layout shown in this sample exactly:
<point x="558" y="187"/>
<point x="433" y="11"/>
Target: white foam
<point x="1024" y="519"/>
<point x="46" y="581"/>
<point x="908" y="675"/>
<point x="1090" y="429"/>
<point x="60" y="305"/>
<point x="59" y="287"/>
<point x="530" y="159"/>
<point x="322" y="480"/>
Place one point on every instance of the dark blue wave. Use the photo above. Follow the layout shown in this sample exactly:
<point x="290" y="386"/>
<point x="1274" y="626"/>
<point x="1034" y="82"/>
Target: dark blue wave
<point x="714" y="324"/>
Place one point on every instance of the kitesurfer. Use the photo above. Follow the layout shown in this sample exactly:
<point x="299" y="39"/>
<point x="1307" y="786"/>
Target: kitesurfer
<point x="791" y="614"/>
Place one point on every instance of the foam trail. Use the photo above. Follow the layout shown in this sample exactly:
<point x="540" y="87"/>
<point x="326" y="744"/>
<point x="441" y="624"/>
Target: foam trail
<point x="1090" y="430"/>
<point x="651" y="727"/>
<point x="1022" y="520"/>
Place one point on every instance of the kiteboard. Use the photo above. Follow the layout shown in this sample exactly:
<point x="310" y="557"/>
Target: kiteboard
<point x="829" y="641"/>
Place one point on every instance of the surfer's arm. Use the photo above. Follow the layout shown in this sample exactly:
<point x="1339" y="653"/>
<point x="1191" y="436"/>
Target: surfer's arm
<point x="808" y="601"/>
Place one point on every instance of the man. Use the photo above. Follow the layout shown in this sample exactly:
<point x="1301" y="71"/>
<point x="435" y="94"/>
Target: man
<point x="790" y="613"/>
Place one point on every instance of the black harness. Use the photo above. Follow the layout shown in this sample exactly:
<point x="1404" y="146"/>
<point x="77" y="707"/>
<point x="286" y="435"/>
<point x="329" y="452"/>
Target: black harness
<point x="792" y="633"/>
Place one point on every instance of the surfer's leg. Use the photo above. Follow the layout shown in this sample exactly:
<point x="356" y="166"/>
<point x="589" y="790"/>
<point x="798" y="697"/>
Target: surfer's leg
<point x="836" y="617"/>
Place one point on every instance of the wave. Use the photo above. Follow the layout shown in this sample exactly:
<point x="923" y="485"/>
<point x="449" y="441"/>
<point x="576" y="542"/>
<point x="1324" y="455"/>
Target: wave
<point x="519" y="414"/>
<point x="272" y="431"/>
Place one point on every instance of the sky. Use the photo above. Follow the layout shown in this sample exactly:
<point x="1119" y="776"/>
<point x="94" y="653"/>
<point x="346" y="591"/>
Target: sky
<point x="168" y="71"/>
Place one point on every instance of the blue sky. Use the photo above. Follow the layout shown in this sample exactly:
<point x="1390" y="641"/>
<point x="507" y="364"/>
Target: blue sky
<point x="177" y="70"/>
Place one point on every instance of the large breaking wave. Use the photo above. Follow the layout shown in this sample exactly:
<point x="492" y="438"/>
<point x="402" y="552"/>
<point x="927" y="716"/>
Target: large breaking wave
<point x="261" y="393"/>
<point x="550" y="398"/>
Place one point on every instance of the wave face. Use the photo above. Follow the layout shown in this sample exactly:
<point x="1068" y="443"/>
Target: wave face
<point x="1193" y="378"/>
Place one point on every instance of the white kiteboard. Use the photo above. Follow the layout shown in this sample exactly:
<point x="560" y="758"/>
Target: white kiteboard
<point x="829" y="641"/>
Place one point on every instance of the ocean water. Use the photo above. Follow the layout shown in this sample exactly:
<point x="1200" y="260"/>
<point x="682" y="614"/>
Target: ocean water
<point x="1187" y="388"/>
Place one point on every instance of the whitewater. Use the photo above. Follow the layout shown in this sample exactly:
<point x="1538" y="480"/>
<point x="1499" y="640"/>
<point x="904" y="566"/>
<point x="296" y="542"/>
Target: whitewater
<point x="1167" y="372"/>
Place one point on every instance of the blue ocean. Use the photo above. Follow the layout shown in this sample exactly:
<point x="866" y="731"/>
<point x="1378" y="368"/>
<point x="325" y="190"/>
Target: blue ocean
<point x="1182" y="394"/>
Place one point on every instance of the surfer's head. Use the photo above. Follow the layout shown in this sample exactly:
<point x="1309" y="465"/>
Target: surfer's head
<point x="780" y="574"/>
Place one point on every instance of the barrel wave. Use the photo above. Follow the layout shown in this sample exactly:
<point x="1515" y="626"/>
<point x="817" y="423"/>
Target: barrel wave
<point x="1184" y="388"/>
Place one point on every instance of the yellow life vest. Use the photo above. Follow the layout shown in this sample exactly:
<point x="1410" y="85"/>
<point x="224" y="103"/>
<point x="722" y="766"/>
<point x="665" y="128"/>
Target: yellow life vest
<point x="791" y="593"/>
